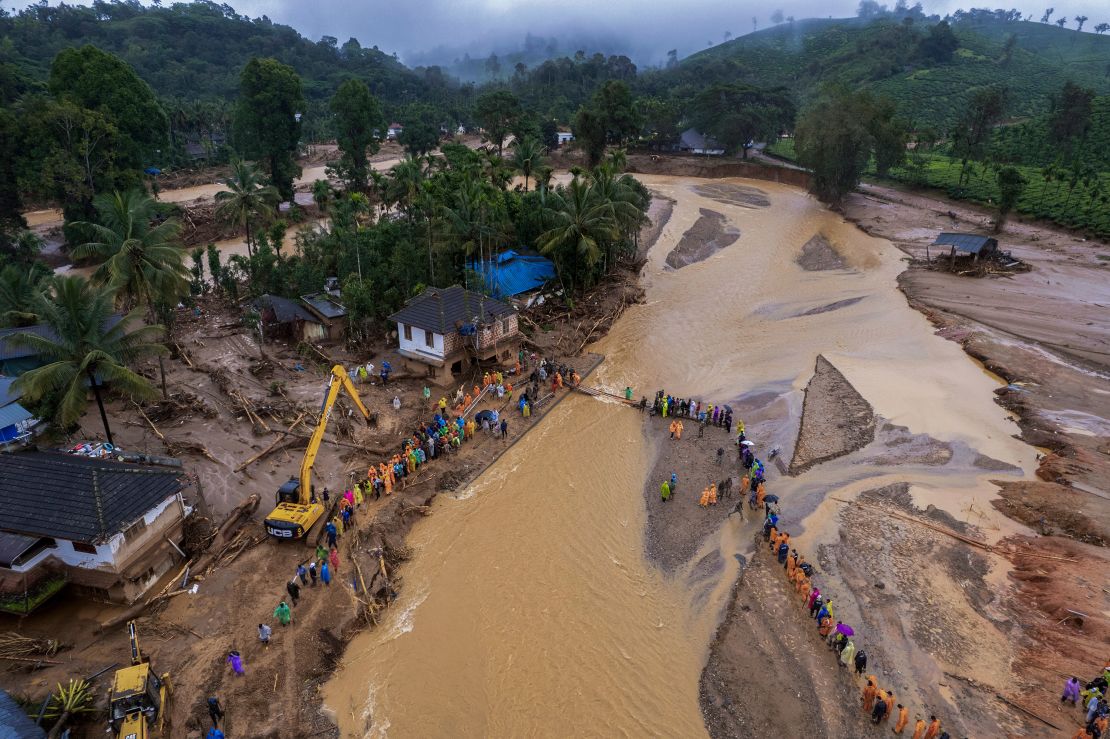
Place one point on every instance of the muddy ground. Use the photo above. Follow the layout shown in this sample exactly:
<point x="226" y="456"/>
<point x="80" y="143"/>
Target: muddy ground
<point x="819" y="255"/>
<point x="836" y="420"/>
<point x="1046" y="334"/>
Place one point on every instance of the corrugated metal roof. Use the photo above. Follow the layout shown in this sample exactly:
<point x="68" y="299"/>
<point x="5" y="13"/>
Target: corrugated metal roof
<point x="285" y="310"/>
<point x="77" y="498"/>
<point x="13" y="413"/>
<point x="511" y="273"/>
<point x="14" y="723"/>
<point x="970" y="243"/>
<point x="439" y="309"/>
<point x="324" y="305"/>
<point x="13" y="545"/>
<point x="7" y="393"/>
<point x="10" y="351"/>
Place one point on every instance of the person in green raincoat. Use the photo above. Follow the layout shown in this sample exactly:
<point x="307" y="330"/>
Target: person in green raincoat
<point x="283" y="614"/>
<point x="665" y="490"/>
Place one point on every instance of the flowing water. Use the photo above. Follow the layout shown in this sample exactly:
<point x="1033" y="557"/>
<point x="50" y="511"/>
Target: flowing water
<point x="529" y="608"/>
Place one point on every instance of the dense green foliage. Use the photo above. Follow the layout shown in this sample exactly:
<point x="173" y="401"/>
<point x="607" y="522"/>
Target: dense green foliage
<point x="358" y="126"/>
<point x="195" y="50"/>
<point x="902" y="57"/>
<point x="267" y="121"/>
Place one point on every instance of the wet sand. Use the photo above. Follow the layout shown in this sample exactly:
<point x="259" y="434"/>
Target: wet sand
<point x="836" y="419"/>
<point x="709" y="234"/>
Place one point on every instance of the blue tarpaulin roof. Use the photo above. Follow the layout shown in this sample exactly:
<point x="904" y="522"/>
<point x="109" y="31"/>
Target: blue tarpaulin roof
<point x="511" y="273"/>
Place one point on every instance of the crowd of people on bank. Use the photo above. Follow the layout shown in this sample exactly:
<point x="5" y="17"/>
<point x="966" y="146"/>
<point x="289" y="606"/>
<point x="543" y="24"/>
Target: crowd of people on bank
<point x="878" y="703"/>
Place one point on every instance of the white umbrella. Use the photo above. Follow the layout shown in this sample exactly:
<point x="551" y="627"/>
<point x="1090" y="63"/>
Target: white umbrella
<point x="745" y="442"/>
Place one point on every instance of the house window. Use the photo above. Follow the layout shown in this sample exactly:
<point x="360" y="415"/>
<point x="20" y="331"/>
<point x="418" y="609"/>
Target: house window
<point x="408" y="333"/>
<point x="505" y="326"/>
<point x="80" y="546"/>
<point x="430" y="339"/>
<point x="135" y="530"/>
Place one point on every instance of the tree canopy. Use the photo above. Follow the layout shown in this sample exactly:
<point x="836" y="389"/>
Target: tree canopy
<point x="267" y="119"/>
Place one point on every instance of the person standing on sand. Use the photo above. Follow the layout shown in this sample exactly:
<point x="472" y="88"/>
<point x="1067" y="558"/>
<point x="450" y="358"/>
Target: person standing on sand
<point x="861" y="661"/>
<point x="264" y="633"/>
<point x="325" y="573"/>
<point x="283" y="614"/>
<point x="903" y="719"/>
<point x="215" y="710"/>
<point x="848" y="654"/>
<point x="333" y="557"/>
<point x="672" y="428"/>
<point x="878" y="713"/>
<point x="869" y="693"/>
<point x="934" y="728"/>
<point x="919" y="729"/>
<point x="678" y="430"/>
<point x="665" y="491"/>
<point x="628" y="393"/>
<point x="1071" y="691"/>
<point x="294" y="591"/>
<point x="504" y="429"/>
<point x="236" y="661"/>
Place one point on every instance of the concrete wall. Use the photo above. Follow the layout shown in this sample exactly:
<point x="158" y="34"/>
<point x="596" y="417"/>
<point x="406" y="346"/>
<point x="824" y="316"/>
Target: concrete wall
<point x="418" y="344"/>
<point x="123" y="568"/>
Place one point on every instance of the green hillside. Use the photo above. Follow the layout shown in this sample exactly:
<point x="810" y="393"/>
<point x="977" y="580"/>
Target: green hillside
<point x="191" y="51"/>
<point x="886" y="55"/>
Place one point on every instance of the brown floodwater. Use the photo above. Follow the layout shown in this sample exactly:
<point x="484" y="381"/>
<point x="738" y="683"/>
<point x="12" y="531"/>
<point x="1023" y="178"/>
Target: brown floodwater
<point x="529" y="608"/>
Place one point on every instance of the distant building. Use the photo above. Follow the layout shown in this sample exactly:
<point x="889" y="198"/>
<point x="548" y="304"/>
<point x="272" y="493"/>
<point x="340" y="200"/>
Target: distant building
<point x="971" y="246"/>
<point x="393" y="131"/>
<point x="329" y="313"/>
<point x="694" y="142"/>
<point x="317" y="317"/>
<point x="102" y="525"/>
<point x="564" y="137"/>
<point x="450" y="329"/>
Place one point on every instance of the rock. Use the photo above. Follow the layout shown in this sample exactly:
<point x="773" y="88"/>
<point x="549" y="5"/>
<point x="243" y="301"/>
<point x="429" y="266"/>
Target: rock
<point x="880" y="585"/>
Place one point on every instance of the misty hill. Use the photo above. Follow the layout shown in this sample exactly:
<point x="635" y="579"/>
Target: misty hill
<point x="190" y="50"/>
<point x="893" y="57"/>
<point x="481" y="62"/>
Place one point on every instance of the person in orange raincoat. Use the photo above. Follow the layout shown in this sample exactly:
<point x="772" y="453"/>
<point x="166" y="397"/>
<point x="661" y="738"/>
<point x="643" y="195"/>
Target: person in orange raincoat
<point x="869" y="693"/>
<point x="826" y="626"/>
<point x="713" y="494"/>
<point x="745" y="481"/>
<point x="486" y="380"/>
<point x="678" y="430"/>
<point x="934" y="728"/>
<point x="704" y="502"/>
<point x="801" y="582"/>
<point x="760" y="494"/>
<point x="903" y="719"/>
<point x="559" y="380"/>
<point x="919" y="729"/>
<point x="673" y="427"/>
<point x="467" y="400"/>
<point x="889" y="706"/>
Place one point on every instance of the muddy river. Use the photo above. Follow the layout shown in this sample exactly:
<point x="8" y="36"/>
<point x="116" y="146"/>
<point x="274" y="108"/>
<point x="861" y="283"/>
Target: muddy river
<point x="529" y="607"/>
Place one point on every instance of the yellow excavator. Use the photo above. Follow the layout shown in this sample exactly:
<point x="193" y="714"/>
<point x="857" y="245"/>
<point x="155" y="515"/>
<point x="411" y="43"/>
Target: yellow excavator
<point x="137" y="703"/>
<point x="297" y="510"/>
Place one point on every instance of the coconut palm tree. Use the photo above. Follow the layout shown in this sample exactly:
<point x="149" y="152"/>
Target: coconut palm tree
<point x="406" y="180"/>
<point x="141" y="261"/>
<point x="528" y="157"/>
<point x="246" y="199"/>
<point x="86" y="349"/>
<point x="582" y="225"/>
<point x="20" y="288"/>
<point x="625" y="200"/>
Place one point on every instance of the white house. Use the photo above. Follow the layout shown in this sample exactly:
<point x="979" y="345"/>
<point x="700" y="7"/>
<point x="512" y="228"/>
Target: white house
<point x="449" y="329"/>
<point x="393" y="131"/>
<point x="564" y="137"/>
<point x="108" y="527"/>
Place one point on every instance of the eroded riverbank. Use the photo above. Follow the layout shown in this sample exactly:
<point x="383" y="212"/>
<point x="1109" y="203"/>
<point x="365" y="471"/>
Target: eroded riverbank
<point x="493" y="636"/>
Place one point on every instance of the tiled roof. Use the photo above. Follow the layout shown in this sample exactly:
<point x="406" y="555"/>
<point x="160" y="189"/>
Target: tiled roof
<point x="439" y="309"/>
<point x="285" y="310"/>
<point x="77" y="498"/>
<point x="14" y="723"/>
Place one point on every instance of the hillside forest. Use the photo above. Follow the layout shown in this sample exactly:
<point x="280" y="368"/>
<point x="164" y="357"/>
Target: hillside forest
<point x="98" y="102"/>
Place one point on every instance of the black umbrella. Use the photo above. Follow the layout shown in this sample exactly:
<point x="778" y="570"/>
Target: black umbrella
<point x="770" y="498"/>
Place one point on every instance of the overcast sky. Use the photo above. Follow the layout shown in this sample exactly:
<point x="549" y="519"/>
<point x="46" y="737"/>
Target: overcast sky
<point x="651" y="27"/>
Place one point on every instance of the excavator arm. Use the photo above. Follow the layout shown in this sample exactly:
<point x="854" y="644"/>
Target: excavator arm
<point x="339" y="380"/>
